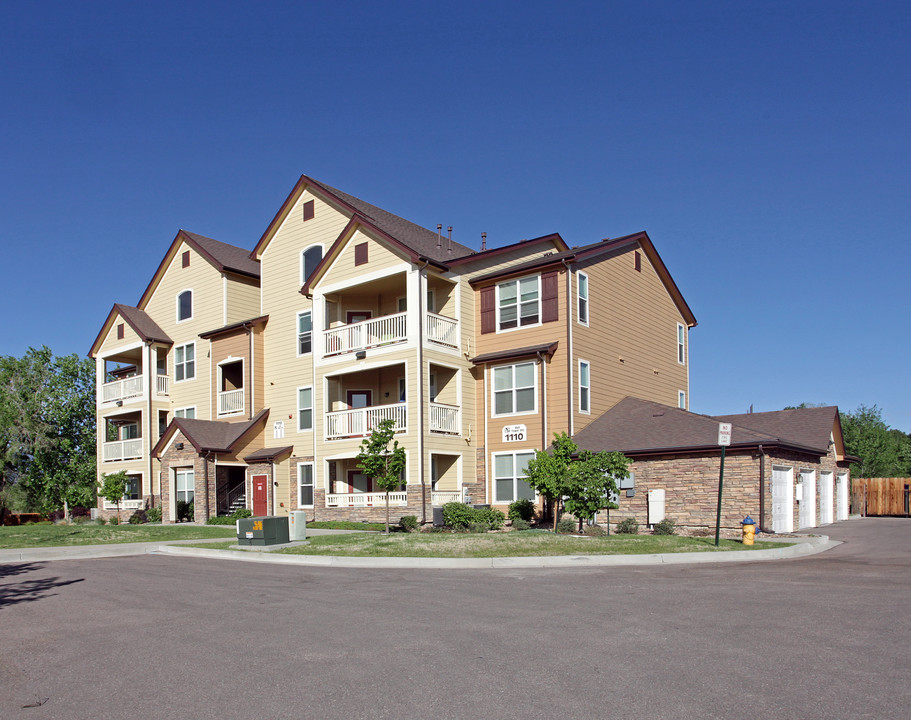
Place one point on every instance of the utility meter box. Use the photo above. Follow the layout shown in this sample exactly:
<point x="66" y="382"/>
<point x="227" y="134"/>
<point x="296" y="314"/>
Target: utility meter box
<point x="297" y="525"/>
<point x="265" y="530"/>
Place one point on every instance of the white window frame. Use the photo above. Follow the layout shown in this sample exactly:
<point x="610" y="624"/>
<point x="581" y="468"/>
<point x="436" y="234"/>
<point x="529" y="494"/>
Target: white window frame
<point x="138" y="479"/>
<point x="681" y="399"/>
<point x="185" y="410"/>
<point x="513" y="389"/>
<point x="403" y="390"/>
<point x="300" y="409"/>
<point x="184" y="472"/>
<point x="518" y="303"/>
<point x="299" y="333"/>
<point x="515" y="477"/>
<point x="585" y="390"/>
<point x="303" y="276"/>
<point x="185" y="377"/>
<point x="580" y="298"/>
<point x="177" y="306"/>
<point x="681" y="344"/>
<point x="301" y="485"/>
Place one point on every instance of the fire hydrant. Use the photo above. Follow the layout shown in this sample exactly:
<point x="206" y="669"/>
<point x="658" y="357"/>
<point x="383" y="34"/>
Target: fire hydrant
<point x="749" y="530"/>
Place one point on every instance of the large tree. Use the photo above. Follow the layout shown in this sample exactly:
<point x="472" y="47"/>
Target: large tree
<point x="380" y="462"/>
<point x="883" y="452"/>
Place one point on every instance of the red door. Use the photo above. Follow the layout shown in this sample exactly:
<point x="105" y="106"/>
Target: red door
<point x="260" y="485"/>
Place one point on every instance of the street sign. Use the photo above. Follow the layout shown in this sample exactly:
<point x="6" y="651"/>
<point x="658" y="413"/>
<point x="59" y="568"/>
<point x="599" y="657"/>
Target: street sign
<point x="724" y="433"/>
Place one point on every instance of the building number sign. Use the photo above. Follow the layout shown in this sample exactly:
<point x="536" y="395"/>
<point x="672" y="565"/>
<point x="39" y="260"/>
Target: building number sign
<point x="515" y="433"/>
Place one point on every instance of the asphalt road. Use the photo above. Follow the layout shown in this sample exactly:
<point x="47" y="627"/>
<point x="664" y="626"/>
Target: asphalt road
<point x="825" y="636"/>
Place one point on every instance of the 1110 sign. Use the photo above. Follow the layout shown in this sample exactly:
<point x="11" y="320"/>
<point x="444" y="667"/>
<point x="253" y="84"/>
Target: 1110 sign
<point x="514" y="433"/>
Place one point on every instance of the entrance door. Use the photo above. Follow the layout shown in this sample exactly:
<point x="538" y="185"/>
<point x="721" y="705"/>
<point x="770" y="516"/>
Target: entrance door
<point x="357" y="421"/>
<point x="260" y="490"/>
<point x="357" y="336"/>
<point x="782" y="499"/>
<point x="826" y="497"/>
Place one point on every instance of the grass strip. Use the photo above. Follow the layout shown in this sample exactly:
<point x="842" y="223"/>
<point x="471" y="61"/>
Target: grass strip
<point x="51" y="535"/>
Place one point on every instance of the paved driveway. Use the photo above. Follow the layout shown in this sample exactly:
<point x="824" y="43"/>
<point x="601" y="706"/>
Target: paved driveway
<point x="820" y="637"/>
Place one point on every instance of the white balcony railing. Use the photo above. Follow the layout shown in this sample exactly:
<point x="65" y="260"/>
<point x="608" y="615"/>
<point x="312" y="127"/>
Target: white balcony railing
<point x="122" y="389"/>
<point x="162" y="384"/>
<point x="360" y="421"/>
<point x="231" y="402"/>
<point x="441" y="497"/>
<point x="442" y="330"/>
<point x="122" y="450"/>
<point x="445" y="419"/>
<point x="124" y="505"/>
<point x="361" y="499"/>
<point x="385" y="330"/>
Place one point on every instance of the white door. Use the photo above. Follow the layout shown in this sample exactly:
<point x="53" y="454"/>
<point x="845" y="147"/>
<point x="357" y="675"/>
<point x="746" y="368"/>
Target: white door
<point x="826" y="497"/>
<point x="841" y="497"/>
<point x="782" y="499"/>
<point x="807" y="515"/>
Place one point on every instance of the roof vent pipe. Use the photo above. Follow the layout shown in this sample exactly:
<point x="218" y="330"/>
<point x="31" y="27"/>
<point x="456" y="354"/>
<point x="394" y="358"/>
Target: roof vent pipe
<point x="439" y="235"/>
<point x="483" y="242"/>
<point x="450" y="238"/>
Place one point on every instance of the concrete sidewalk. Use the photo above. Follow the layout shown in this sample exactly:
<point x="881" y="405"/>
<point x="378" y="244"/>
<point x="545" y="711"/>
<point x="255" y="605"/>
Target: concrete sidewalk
<point x="804" y="545"/>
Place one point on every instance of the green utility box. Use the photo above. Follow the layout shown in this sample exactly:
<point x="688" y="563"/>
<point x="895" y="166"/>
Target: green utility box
<point x="266" y="530"/>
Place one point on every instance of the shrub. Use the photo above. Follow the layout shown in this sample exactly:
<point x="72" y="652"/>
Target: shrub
<point x="665" y="527"/>
<point x="457" y="515"/>
<point x="184" y="510"/>
<point x="137" y="518"/>
<point x="408" y="523"/>
<point x="595" y="531"/>
<point x="241" y="513"/>
<point x="628" y="526"/>
<point x="101" y="520"/>
<point x="520" y="524"/>
<point x="494" y="519"/>
<point x="478" y="527"/>
<point x="522" y="509"/>
<point x="566" y="526"/>
<point x="115" y="520"/>
<point x="153" y="514"/>
<point x="221" y="520"/>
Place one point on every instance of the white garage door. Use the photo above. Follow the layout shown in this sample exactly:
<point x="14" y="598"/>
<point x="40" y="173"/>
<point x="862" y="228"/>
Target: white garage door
<point x="782" y="499"/>
<point x="807" y="515"/>
<point x="841" y="497"/>
<point x="826" y="497"/>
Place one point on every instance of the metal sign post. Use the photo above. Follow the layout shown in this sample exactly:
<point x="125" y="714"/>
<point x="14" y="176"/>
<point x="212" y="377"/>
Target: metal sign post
<point x="724" y="439"/>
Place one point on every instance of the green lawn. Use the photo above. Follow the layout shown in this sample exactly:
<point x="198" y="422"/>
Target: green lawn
<point x="345" y="525"/>
<point x="49" y="535"/>
<point x="513" y="544"/>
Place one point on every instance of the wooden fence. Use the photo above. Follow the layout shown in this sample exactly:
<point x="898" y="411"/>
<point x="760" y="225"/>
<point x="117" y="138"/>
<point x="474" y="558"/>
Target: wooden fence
<point x="881" y="496"/>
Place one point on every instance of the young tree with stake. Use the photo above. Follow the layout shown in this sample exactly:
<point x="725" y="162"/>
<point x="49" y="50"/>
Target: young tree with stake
<point x="382" y="464"/>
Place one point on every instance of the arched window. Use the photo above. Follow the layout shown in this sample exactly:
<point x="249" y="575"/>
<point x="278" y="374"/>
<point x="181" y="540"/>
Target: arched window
<point x="185" y="305"/>
<point x="310" y="258"/>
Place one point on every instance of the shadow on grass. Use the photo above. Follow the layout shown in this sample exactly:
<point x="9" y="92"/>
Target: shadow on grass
<point x="24" y="590"/>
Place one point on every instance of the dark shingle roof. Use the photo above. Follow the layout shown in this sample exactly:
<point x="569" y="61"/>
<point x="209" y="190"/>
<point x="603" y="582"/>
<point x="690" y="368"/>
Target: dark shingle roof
<point x="224" y="256"/>
<point x="420" y="239"/>
<point x="544" y="349"/>
<point x="811" y="427"/>
<point x="213" y="435"/>
<point x="144" y="326"/>
<point x="268" y="453"/>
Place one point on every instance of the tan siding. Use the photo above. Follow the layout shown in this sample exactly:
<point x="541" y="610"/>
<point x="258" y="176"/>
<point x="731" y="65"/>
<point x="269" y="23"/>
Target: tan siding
<point x="344" y="271"/>
<point x="236" y="346"/>
<point x="243" y="299"/>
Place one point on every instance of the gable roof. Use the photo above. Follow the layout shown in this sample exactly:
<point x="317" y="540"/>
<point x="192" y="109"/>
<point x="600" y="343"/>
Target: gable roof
<point x="138" y="320"/>
<point x="642" y="427"/>
<point x="209" y="435"/>
<point x="222" y="256"/>
<point x="808" y="426"/>
<point x="418" y="239"/>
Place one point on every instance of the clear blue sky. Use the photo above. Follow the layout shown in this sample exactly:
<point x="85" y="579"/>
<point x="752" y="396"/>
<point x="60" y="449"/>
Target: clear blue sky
<point x="763" y="146"/>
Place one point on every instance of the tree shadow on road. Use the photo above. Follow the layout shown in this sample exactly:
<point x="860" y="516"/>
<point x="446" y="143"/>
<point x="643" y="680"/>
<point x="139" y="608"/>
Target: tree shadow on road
<point x="24" y="590"/>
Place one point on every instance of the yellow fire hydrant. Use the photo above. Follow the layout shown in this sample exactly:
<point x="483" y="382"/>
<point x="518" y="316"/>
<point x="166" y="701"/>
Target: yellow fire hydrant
<point x="749" y="530"/>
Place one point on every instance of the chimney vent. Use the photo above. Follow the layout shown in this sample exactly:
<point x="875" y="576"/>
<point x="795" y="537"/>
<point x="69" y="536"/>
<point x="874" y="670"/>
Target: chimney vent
<point x="439" y="235"/>
<point x="450" y="238"/>
<point x="483" y="241"/>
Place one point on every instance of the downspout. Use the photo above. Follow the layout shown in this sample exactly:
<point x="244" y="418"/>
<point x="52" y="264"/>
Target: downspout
<point x="205" y="459"/>
<point x="251" y="364"/>
<point x="762" y="527"/>
<point x="153" y="377"/>
<point x="569" y="341"/>
<point x="421" y="392"/>
<point x="543" y="401"/>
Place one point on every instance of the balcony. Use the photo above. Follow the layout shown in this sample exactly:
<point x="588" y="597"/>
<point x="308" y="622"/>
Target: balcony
<point x="365" y="499"/>
<point x="132" y="387"/>
<point x="122" y="450"/>
<point x="441" y="497"/>
<point x="378" y="332"/>
<point x="124" y="505"/>
<point x="442" y="330"/>
<point x="445" y="419"/>
<point x="231" y="402"/>
<point x="360" y="421"/>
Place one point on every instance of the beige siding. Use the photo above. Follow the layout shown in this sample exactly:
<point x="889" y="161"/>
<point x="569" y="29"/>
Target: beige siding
<point x="519" y="254"/>
<point x="343" y="269"/>
<point x="243" y="299"/>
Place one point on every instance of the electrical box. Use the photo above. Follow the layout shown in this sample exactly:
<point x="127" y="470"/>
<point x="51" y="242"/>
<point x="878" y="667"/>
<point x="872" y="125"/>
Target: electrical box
<point x="265" y="530"/>
<point x="627" y="483"/>
<point x="297" y="525"/>
<point x="655" y="506"/>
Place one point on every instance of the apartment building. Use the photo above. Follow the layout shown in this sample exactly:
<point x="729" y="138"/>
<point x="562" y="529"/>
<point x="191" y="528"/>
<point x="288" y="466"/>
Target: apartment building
<point x="250" y="378"/>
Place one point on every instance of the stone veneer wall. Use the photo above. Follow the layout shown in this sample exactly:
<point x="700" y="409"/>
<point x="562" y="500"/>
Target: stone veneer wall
<point x="187" y="457"/>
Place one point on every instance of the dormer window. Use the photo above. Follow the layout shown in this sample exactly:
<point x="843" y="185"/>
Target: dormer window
<point x="185" y="305"/>
<point x="310" y="258"/>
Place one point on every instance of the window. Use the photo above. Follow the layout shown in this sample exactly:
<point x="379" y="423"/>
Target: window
<point x="509" y="474"/>
<point x="582" y="290"/>
<point x="360" y="254"/>
<point x="310" y="258"/>
<point x="309" y="210"/>
<point x="402" y="388"/>
<point x="304" y="333"/>
<point x="131" y="491"/>
<point x="585" y="387"/>
<point x="185" y="305"/>
<point x="514" y="389"/>
<point x="189" y="413"/>
<point x="185" y="485"/>
<point x="305" y="484"/>
<point x="120" y="331"/>
<point x="305" y="408"/>
<point x="129" y="431"/>
<point x="681" y="344"/>
<point x="185" y="362"/>
<point x="681" y="399"/>
<point x="519" y="303"/>
<point x="185" y="259"/>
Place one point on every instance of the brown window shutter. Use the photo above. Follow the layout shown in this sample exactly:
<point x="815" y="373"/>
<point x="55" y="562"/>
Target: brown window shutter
<point x="185" y="259"/>
<point x="120" y="331"/>
<point x="638" y="262"/>
<point x="360" y="254"/>
<point x="549" y="311"/>
<point x="488" y="310"/>
<point x="308" y="210"/>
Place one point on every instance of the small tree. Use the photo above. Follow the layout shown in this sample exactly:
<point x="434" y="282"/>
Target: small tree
<point x="382" y="464"/>
<point x="113" y="487"/>
<point x="550" y="473"/>
<point x="594" y="483"/>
